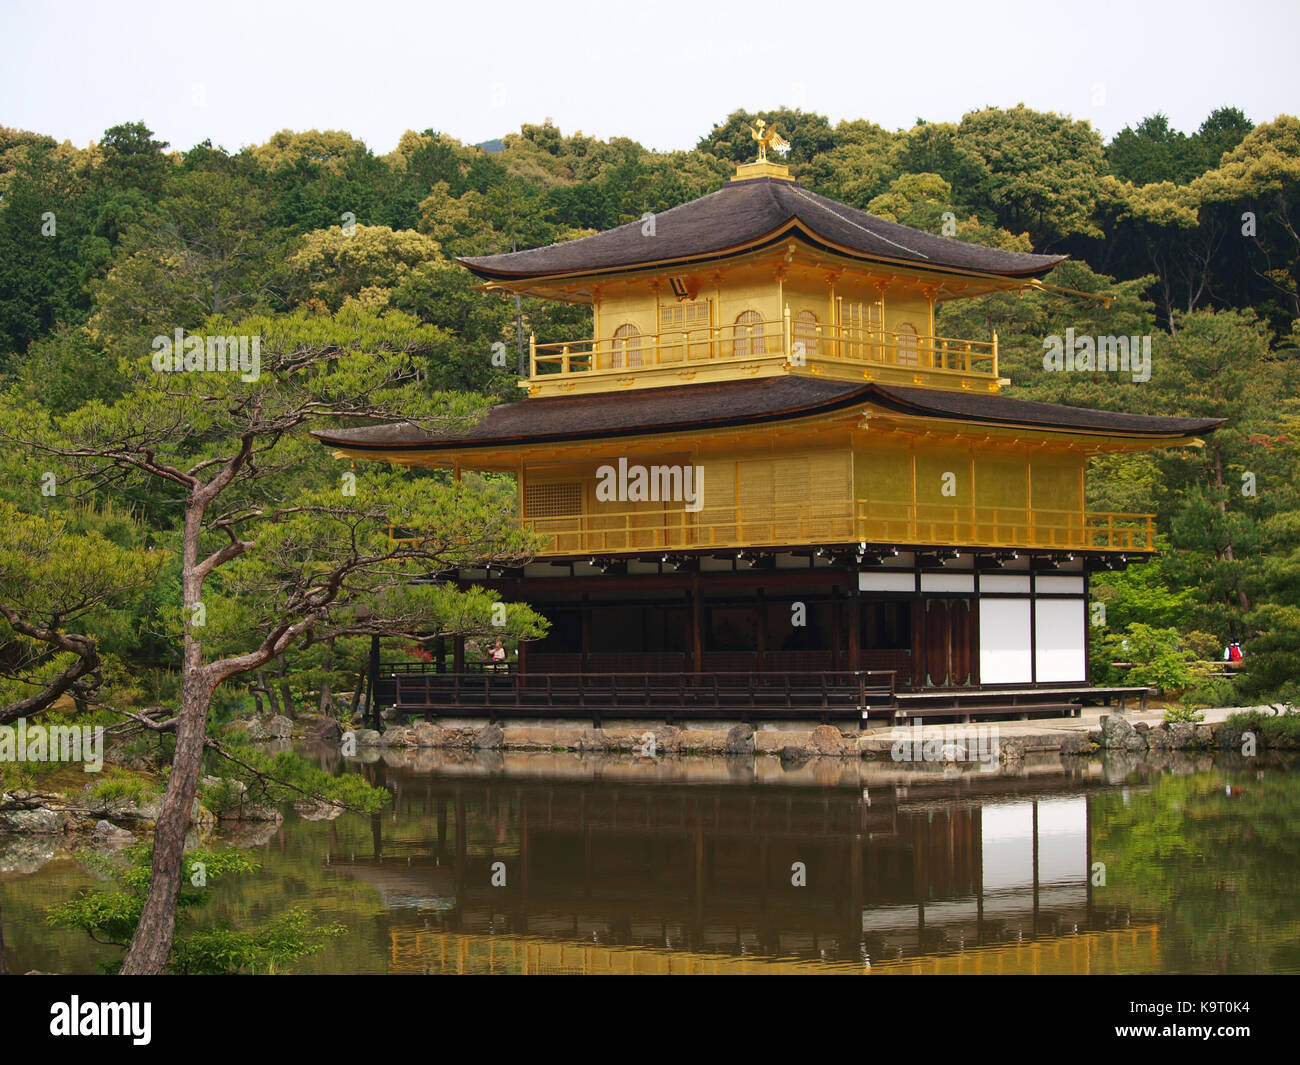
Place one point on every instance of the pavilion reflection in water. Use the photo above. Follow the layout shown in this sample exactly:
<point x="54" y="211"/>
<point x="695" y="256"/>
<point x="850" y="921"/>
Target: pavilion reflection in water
<point x="987" y="875"/>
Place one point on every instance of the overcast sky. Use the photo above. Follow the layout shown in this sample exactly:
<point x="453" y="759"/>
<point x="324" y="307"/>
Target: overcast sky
<point x="662" y="73"/>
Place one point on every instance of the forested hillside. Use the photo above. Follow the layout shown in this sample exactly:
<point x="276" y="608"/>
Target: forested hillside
<point x="1192" y="239"/>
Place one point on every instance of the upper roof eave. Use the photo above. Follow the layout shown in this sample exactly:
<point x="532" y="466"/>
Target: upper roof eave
<point x="749" y="214"/>
<point x="555" y="420"/>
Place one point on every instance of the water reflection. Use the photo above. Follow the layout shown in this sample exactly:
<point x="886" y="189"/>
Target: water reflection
<point x="519" y="862"/>
<point x="897" y="866"/>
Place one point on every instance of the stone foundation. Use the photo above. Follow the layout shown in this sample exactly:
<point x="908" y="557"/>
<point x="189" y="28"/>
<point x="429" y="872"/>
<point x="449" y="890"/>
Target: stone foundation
<point x="790" y="741"/>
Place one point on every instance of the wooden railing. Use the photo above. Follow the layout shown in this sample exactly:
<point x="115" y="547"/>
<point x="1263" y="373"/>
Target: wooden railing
<point x="783" y="524"/>
<point x="762" y="339"/>
<point x="648" y="530"/>
<point x="671" y="696"/>
<point x="986" y="526"/>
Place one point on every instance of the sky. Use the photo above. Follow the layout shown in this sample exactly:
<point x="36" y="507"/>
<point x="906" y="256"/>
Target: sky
<point x="660" y="73"/>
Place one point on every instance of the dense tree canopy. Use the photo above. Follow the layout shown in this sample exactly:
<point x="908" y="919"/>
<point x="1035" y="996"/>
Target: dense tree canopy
<point x="1192" y="238"/>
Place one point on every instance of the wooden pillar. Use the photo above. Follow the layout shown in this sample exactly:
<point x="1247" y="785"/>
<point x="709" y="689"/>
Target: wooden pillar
<point x="697" y="624"/>
<point x="441" y="807"/>
<point x="837" y="629"/>
<point x="585" y="614"/>
<point x="855" y="626"/>
<point x="760" y="631"/>
<point x="1035" y="917"/>
<point x="372" y="680"/>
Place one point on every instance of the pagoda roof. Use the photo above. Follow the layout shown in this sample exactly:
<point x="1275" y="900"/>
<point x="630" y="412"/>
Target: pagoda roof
<point x="750" y="214"/>
<point x="726" y="404"/>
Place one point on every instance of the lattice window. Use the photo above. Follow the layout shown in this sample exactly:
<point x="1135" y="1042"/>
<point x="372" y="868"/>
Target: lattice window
<point x="552" y="500"/>
<point x="627" y="347"/>
<point x="749" y="338"/>
<point x="684" y="316"/>
<point x="908" y="345"/>
<point x="679" y="319"/>
<point x="860" y="323"/>
<point x="805" y="332"/>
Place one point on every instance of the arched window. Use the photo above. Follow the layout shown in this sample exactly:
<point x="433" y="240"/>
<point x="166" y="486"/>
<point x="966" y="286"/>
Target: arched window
<point x="908" y="346"/>
<point x="627" y="347"/>
<point x="805" y="333"/>
<point x="749" y="339"/>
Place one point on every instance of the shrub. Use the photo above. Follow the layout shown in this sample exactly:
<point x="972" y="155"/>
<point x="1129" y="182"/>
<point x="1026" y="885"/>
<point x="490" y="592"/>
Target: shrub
<point x="1273" y="730"/>
<point x="121" y="784"/>
<point x="1159" y="661"/>
<point x="1214" y="691"/>
<point x="1206" y="647"/>
<point x="112" y="916"/>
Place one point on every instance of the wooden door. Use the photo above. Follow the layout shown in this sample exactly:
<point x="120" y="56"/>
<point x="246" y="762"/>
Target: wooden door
<point x="946" y="633"/>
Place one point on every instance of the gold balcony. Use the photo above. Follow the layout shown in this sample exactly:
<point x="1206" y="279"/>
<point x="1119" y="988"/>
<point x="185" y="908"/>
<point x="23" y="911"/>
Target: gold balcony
<point x="784" y="525"/>
<point x="765" y="339"/>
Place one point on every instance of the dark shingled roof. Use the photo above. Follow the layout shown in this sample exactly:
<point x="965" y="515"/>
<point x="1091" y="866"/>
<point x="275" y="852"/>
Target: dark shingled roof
<point x="728" y="403"/>
<point x="746" y="213"/>
<point x="972" y="406"/>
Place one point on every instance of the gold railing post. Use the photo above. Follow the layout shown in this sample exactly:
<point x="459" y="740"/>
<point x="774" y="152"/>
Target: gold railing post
<point x="532" y="354"/>
<point x="785" y="329"/>
<point x="995" y="353"/>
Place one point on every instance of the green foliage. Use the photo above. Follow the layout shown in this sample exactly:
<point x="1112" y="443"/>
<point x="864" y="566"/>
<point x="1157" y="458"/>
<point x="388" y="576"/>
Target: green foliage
<point x="1156" y="656"/>
<point x="1166" y="847"/>
<point x="111" y="916"/>
<point x="1272" y="730"/>
<point x="1215" y="691"/>
<point x="1203" y="645"/>
<point x="284" y="777"/>
<point x="1159" y="659"/>
<point x="1142" y="593"/>
<point x="223" y="951"/>
<point x="115" y="784"/>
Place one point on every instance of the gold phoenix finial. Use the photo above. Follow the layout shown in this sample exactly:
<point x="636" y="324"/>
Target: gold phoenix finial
<point x="768" y="138"/>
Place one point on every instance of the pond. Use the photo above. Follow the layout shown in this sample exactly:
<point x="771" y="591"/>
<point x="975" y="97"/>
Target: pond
<point x="544" y="863"/>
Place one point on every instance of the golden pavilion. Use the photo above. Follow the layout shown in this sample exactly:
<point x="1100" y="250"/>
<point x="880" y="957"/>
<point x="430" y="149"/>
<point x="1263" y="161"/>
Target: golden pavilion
<point x="769" y="489"/>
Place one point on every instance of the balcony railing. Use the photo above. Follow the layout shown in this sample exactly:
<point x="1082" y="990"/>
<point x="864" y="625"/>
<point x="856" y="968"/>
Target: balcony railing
<point x="763" y="339"/>
<point x="785" y="524"/>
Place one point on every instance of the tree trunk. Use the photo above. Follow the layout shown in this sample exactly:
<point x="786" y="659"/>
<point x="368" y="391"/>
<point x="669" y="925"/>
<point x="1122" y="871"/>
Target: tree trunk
<point x="285" y="693"/>
<point x="152" y="943"/>
<point x="271" y="697"/>
<point x="355" y="704"/>
<point x="4" y="964"/>
<point x="1242" y="599"/>
<point x="326" y="705"/>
